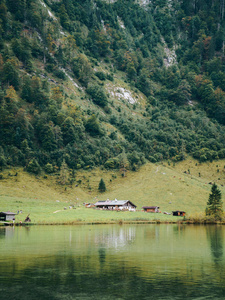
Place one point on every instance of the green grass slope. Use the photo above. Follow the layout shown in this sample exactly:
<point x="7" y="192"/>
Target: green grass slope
<point x="185" y="186"/>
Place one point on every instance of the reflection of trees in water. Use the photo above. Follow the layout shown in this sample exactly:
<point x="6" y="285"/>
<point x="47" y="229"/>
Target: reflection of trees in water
<point x="215" y="237"/>
<point x="102" y="255"/>
<point x="75" y="277"/>
<point x="2" y="232"/>
<point x="179" y="229"/>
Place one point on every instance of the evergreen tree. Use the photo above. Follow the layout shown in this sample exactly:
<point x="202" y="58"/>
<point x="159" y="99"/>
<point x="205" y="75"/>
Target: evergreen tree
<point x="102" y="187"/>
<point x="124" y="163"/>
<point x="214" y="204"/>
<point x="64" y="173"/>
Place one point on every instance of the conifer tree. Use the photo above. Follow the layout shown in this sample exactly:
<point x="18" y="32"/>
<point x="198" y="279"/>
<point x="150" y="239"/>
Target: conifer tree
<point x="214" y="205"/>
<point x="102" y="187"/>
<point x="64" y="173"/>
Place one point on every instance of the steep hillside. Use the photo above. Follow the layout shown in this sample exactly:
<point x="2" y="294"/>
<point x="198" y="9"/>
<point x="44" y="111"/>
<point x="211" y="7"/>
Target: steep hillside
<point x="115" y="84"/>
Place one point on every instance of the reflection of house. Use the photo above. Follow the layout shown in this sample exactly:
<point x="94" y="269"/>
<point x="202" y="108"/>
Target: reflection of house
<point x="7" y="216"/>
<point x="153" y="209"/>
<point x="116" y="205"/>
<point x="179" y="213"/>
<point x="115" y="237"/>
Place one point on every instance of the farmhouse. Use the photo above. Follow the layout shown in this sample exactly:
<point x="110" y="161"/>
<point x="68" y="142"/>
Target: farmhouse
<point x="179" y="213"/>
<point x="7" y="216"/>
<point x="153" y="209"/>
<point x="116" y="205"/>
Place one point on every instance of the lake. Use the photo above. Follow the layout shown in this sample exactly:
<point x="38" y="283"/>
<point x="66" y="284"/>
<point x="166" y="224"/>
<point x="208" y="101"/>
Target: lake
<point x="112" y="262"/>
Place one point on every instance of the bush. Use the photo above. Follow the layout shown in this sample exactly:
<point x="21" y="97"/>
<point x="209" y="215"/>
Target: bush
<point x="152" y="159"/>
<point x="33" y="167"/>
<point x="109" y="77"/>
<point x="112" y="163"/>
<point x="49" y="168"/>
<point x="93" y="126"/>
<point x="98" y="95"/>
<point x="49" y="68"/>
<point x="60" y="74"/>
<point x="100" y="75"/>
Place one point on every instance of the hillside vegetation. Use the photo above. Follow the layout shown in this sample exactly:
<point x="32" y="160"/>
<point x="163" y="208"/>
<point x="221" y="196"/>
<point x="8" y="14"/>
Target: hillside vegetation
<point x="185" y="186"/>
<point x="88" y="83"/>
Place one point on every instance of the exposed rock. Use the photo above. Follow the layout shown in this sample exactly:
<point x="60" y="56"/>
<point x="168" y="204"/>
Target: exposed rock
<point x="122" y="93"/>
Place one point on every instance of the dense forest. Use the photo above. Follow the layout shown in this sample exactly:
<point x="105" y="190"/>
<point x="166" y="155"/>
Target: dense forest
<point x="63" y="64"/>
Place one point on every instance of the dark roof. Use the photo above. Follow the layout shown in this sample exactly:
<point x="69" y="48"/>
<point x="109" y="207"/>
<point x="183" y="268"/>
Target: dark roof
<point x="178" y="211"/>
<point x="7" y="213"/>
<point x="113" y="203"/>
<point x="151" y="207"/>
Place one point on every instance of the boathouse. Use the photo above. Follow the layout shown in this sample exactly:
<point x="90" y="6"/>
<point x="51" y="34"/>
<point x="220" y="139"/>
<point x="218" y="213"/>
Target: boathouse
<point x="7" y="216"/>
<point x="152" y="209"/>
<point x="179" y="213"/>
<point x="116" y="205"/>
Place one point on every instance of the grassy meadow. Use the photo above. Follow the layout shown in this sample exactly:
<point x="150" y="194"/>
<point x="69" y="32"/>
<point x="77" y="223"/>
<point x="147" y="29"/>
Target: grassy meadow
<point x="183" y="186"/>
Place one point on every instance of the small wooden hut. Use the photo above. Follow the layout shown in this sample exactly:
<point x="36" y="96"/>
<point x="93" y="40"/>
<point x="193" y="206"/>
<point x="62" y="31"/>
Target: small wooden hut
<point x="179" y="213"/>
<point x="152" y="209"/>
<point x="7" y="216"/>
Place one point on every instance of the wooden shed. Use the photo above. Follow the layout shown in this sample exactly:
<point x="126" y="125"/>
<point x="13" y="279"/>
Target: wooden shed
<point x="179" y="213"/>
<point x="152" y="209"/>
<point x="7" y="216"/>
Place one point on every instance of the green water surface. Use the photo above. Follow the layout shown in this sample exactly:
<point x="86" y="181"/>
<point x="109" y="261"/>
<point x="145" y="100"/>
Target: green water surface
<point x="112" y="262"/>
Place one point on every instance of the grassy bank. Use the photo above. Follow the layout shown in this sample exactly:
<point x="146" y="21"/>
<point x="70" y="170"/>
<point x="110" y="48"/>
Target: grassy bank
<point x="184" y="186"/>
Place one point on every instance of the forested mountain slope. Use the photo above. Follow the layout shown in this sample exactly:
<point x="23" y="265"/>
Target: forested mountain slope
<point x="111" y="83"/>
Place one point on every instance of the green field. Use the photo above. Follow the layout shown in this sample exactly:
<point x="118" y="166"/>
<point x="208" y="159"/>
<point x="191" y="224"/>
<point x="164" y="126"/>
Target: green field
<point x="165" y="185"/>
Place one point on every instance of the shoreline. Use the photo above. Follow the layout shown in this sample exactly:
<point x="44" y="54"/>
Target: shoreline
<point x="120" y="222"/>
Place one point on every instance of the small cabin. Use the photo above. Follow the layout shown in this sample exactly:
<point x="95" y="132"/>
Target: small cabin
<point x="179" y="213"/>
<point x="152" y="209"/>
<point x="116" y="205"/>
<point x="7" y="216"/>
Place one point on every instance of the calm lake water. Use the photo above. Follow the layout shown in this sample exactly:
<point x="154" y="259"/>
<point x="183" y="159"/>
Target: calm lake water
<point x="112" y="262"/>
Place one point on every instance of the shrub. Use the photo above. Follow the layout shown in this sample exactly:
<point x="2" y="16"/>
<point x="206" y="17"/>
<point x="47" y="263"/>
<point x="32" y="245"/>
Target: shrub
<point x="98" y="95"/>
<point x="33" y="167"/>
<point x="112" y="163"/>
<point x="100" y="75"/>
<point x="93" y="127"/>
<point x="60" y="74"/>
<point x="109" y="77"/>
<point x="49" y="168"/>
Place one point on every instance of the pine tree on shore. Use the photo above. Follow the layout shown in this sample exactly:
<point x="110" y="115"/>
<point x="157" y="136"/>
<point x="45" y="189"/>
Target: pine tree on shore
<point x="215" y="205"/>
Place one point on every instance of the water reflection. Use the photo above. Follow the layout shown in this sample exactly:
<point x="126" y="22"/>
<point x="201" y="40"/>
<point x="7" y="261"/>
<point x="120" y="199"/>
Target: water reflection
<point x="116" y="237"/>
<point x="7" y="232"/>
<point x="215" y="236"/>
<point x="102" y="255"/>
<point x="179" y="229"/>
<point x="113" y="262"/>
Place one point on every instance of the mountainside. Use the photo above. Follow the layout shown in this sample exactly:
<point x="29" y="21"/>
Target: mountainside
<point x="114" y="83"/>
